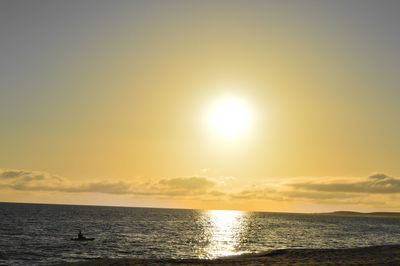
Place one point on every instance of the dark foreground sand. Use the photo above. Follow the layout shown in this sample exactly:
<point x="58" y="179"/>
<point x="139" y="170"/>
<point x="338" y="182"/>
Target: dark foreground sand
<point x="380" y="255"/>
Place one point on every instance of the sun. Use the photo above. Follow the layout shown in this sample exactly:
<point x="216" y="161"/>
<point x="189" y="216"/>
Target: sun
<point x="229" y="117"/>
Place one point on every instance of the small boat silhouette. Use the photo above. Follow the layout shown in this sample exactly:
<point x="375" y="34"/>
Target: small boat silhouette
<point x="83" y="239"/>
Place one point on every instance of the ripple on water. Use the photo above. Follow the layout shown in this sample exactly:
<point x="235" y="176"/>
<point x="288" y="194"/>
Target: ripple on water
<point x="34" y="233"/>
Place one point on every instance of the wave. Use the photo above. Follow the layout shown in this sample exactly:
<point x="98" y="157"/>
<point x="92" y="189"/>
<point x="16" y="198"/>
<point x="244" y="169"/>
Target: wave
<point x="374" y="255"/>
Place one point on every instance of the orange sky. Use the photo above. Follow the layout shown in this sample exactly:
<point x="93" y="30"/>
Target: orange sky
<point x="107" y="104"/>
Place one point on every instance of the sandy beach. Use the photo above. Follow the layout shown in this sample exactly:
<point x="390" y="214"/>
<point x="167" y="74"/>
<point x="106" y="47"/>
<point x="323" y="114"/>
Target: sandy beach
<point x="378" y="255"/>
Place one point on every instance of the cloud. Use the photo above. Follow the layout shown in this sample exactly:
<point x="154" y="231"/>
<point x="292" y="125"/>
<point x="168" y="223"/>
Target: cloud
<point x="13" y="174"/>
<point x="26" y="175"/>
<point x="169" y="187"/>
<point x="376" y="184"/>
<point x="185" y="187"/>
<point x="370" y="191"/>
<point x="379" y="176"/>
<point x="29" y="180"/>
<point x="287" y="194"/>
<point x="258" y="193"/>
<point x="101" y="187"/>
<point x="42" y="181"/>
<point x="346" y="190"/>
<point x="318" y="195"/>
<point x="188" y="183"/>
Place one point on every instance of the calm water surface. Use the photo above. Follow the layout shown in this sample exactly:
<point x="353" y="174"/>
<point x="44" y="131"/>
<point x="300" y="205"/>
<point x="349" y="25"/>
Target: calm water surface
<point x="40" y="234"/>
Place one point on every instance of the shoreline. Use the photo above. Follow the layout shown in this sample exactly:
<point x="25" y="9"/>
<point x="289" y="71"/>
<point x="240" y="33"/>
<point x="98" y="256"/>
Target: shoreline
<point x="374" y="255"/>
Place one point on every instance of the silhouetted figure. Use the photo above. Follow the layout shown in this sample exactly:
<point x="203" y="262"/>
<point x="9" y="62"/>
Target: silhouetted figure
<point x="82" y="238"/>
<point x="80" y="235"/>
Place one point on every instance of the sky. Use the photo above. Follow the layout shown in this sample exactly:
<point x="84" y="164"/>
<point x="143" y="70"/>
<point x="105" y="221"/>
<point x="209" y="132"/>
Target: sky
<point x="106" y="103"/>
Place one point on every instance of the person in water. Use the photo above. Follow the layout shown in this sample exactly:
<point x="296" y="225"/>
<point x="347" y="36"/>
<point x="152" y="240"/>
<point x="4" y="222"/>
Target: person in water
<point x="80" y="235"/>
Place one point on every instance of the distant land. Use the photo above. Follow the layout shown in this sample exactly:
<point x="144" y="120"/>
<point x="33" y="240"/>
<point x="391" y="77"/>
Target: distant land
<point x="338" y="213"/>
<point x="351" y="213"/>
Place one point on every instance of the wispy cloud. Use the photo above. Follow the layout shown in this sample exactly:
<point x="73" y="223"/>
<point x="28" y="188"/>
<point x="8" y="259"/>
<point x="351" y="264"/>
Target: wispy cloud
<point x="377" y="184"/>
<point x="29" y="180"/>
<point x="378" y="190"/>
<point x="167" y="187"/>
<point x="373" y="190"/>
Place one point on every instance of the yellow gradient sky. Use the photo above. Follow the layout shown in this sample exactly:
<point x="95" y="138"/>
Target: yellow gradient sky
<point x="106" y="103"/>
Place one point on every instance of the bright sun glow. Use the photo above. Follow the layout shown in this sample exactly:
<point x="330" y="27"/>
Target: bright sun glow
<point x="230" y="117"/>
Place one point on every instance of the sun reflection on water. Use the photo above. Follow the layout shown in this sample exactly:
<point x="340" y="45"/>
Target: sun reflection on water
<point x="224" y="232"/>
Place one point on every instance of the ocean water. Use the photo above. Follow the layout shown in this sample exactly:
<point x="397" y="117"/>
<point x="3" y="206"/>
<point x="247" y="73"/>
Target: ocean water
<point x="32" y="234"/>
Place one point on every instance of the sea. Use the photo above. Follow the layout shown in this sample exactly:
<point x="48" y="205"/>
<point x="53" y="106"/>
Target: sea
<point x="37" y="234"/>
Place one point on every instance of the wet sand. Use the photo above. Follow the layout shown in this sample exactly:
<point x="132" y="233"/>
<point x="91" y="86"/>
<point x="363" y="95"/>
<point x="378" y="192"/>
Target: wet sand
<point x="379" y="255"/>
